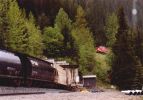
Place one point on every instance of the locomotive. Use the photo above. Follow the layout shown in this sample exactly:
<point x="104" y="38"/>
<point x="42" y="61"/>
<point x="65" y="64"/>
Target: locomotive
<point x="22" y="69"/>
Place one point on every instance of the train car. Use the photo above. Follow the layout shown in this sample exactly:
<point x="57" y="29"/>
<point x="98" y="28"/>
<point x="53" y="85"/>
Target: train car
<point x="42" y="71"/>
<point x="10" y="66"/>
<point x="24" y="69"/>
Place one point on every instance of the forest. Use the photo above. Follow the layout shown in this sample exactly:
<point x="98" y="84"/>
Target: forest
<point x="71" y="30"/>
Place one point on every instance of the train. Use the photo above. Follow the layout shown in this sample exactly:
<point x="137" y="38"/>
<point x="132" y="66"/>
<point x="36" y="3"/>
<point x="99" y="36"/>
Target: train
<point x="21" y="69"/>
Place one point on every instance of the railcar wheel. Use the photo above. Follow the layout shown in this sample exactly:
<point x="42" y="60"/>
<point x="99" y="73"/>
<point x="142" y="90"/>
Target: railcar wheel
<point x="135" y="93"/>
<point x="130" y="93"/>
<point x="138" y="93"/>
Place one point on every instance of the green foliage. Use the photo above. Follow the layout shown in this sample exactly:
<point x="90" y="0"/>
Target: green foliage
<point x="53" y="41"/>
<point x="111" y="29"/>
<point x="125" y="68"/>
<point x="110" y="57"/>
<point x="74" y="42"/>
<point x="52" y="35"/>
<point x="62" y="20"/>
<point x="83" y="43"/>
<point x="15" y="27"/>
<point x="96" y="12"/>
<point x="63" y="23"/>
<point x="80" y="18"/>
<point x="3" y="22"/>
<point x="139" y="52"/>
<point x="34" y="45"/>
<point x="17" y="32"/>
<point x="102" y="67"/>
<point x="58" y="40"/>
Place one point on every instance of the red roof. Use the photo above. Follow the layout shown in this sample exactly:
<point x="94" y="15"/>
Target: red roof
<point x="102" y="49"/>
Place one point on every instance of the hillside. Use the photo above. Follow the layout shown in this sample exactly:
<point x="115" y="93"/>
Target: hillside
<point x="72" y="29"/>
<point x="96" y="12"/>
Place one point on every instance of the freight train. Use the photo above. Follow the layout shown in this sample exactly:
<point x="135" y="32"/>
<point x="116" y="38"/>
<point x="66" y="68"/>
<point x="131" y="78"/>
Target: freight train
<point x="21" y="69"/>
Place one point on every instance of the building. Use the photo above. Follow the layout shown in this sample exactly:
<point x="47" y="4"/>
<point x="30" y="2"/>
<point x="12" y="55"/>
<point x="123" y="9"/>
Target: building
<point x="67" y="74"/>
<point x="89" y="81"/>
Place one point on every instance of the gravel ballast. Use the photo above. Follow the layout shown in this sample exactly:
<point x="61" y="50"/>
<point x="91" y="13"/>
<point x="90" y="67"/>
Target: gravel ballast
<point x="108" y="95"/>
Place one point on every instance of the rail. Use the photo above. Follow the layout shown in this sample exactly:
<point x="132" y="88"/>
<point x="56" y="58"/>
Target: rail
<point x="24" y="93"/>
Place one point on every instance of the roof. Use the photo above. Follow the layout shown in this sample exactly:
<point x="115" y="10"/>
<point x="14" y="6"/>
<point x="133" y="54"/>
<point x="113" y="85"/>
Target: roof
<point x="89" y="76"/>
<point x="69" y="66"/>
<point x="9" y="57"/>
<point x="102" y="49"/>
<point x="22" y="54"/>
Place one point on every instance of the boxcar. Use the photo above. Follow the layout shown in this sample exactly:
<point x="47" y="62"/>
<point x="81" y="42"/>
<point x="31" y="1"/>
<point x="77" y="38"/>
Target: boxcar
<point x="42" y="70"/>
<point x="24" y="69"/>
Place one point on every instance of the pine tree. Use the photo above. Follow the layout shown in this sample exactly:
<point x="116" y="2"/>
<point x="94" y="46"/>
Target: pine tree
<point x="111" y="29"/>
<point x="53" y="41"/>
<point x="62" y="27"/>
<point x="43" y="21"/>
<point x="62" y="31"/>
<point x="139" y="52"/>
<point x="33" y="36"/>
<point x="16" y="31"/>
<point x="62" y="20"/>
<point x="3" y="22"/>
<point x="16" y="22"/>
<point x="83" y="42"/>
<point x="63" y="23"/>
<point x="125" y="73"/>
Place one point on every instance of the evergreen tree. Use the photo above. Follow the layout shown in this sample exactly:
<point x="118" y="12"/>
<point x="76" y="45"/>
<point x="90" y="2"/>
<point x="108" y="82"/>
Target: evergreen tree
<point x="58" y="40"/>
<point x="16" y="22"/>
<point x="139" y="52"/>
<point x="53" y="41"/>
<point x="63" y="23"/>
<point x="83" y="42"/>
<point x="61" y="30"/>
<point x="111" y="29"/>
<point x="16" y="32"/>
<point x="43" y="21"/>
<point x="124" y="69"/>
<point x="62" y="20"/>
<point x="34" y="45"/>
<point x="3" y="22"/>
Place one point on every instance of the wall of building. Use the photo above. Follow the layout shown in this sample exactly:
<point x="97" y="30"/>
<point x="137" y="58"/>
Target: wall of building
<point x="67" y="74"/>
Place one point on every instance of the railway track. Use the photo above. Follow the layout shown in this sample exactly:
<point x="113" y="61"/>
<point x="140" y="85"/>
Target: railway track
<point x="28" y="93"/>
<point x="11" y="91"/>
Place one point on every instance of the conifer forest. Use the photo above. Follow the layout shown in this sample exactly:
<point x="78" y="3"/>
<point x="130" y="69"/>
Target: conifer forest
<point x="72" y="30"/>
